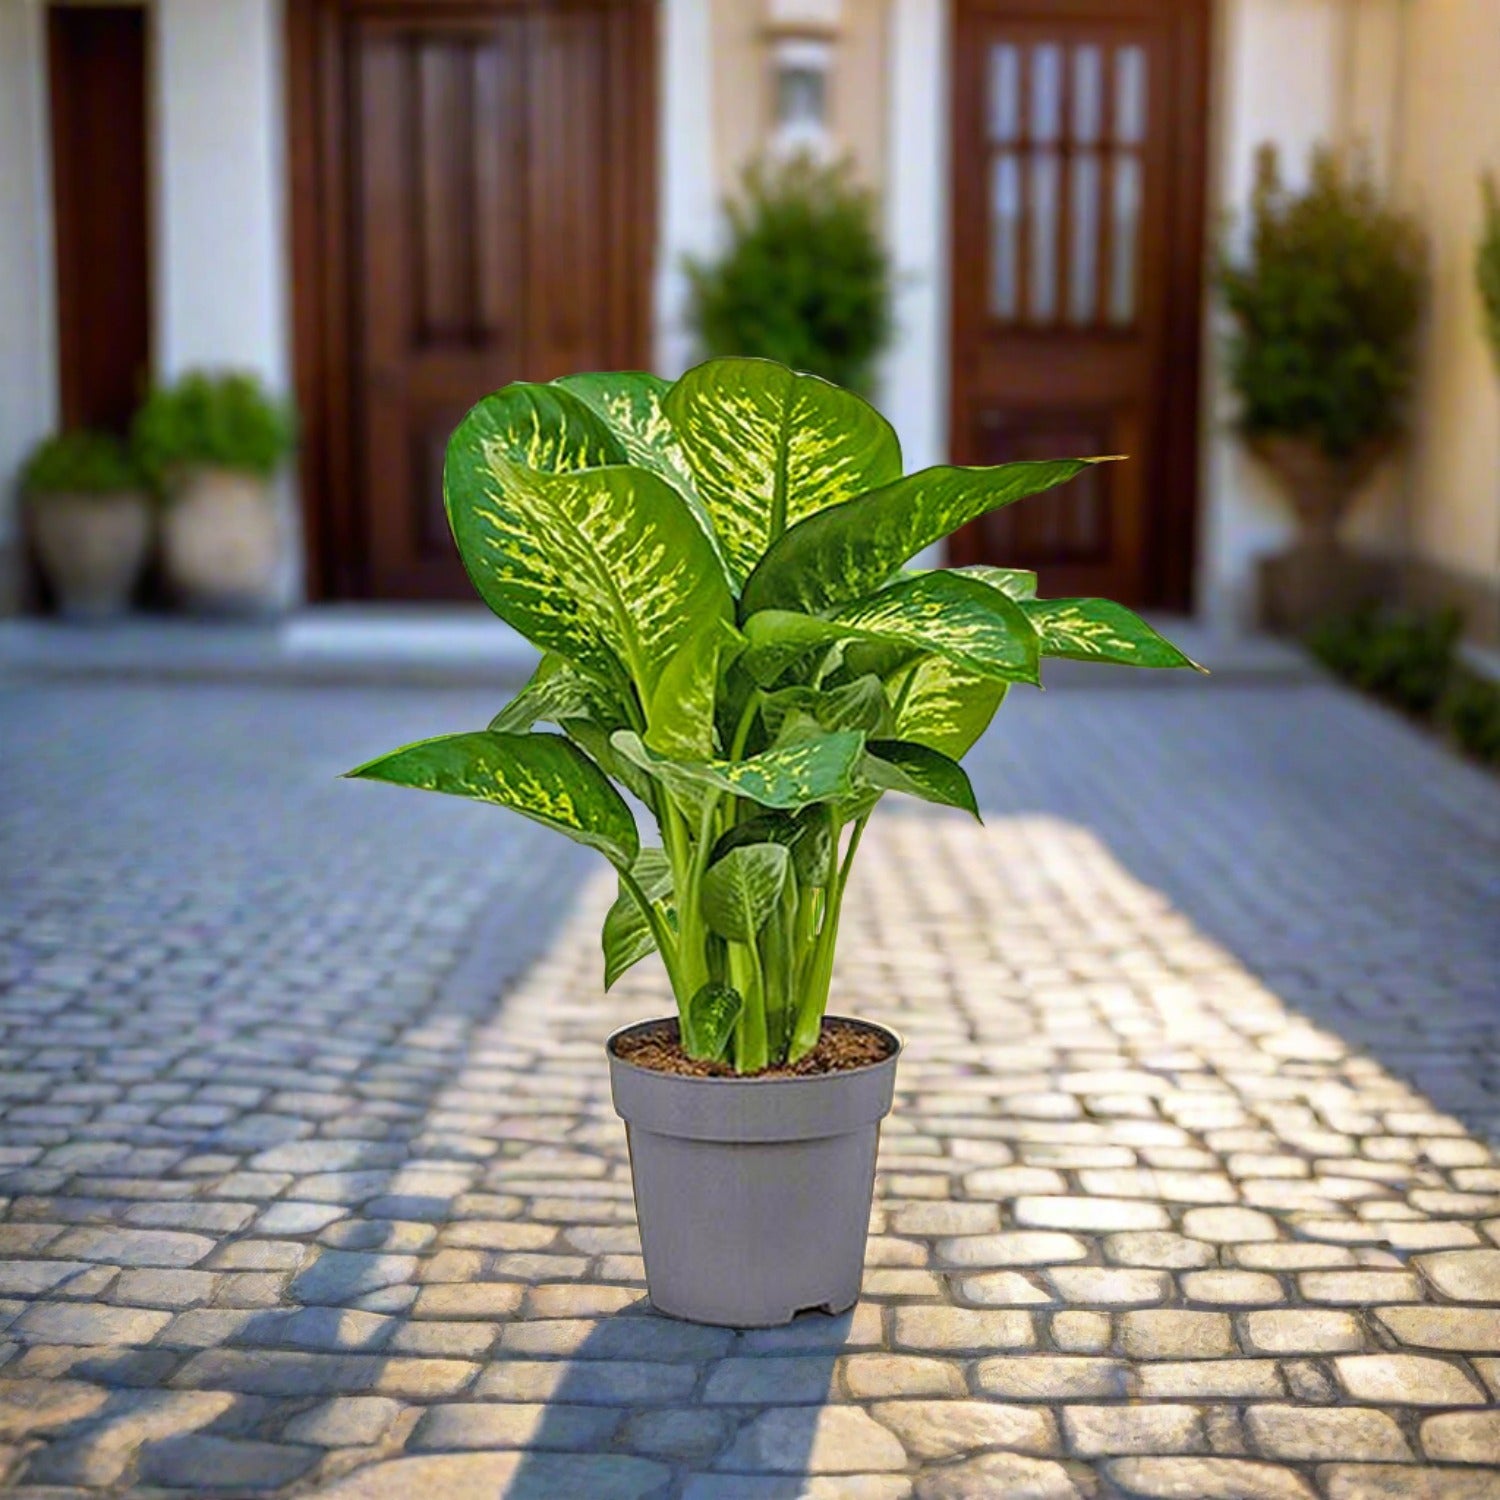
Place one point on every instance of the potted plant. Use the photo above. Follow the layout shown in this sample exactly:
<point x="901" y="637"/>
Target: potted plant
<point x="713" y="571"/>
<point x="804" y="278"/>
<point x="1325" y="301"/>
<point x="211" y="443"/>
<point x="90" y="521"/>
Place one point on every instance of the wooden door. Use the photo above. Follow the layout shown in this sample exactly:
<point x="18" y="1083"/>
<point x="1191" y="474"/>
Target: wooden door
<point x="1078" y="147"/>
<point x="97" y="84"/>
<point x="494" y="164"/>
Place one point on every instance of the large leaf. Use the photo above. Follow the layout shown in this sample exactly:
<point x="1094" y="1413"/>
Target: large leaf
<point x="816" y="769"/>
<point x="1101" y="630"/>
<point x="768" y="447"/>
<point x="941" y="613"/>
<point x="541" y="775"/>
<point x="606" y="567"/>
<point x="541" y="426"/>
<point x="945" y="707"/>
<point x="860" y="704"/>
<point x="558" y="691"/>
<point x="1018" y="583"/>
<point x="919" y="771"/>
<point x="680" y="712"/>
<point x="711" y="1015"/>
<point x="740" y="891"/>
<point x="844" y="553"/>
<point x="632" y="405"/>
<point x="627" y="936"/>
<point x="808" y="834"/>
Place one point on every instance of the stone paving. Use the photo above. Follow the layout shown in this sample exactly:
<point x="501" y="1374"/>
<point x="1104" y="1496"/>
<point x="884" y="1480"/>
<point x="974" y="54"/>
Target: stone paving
<point x="1186" y="1193"/>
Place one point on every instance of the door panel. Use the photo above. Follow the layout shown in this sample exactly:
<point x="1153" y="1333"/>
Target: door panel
<point x="1077" y="160"/>
<point x="474" y="148"/>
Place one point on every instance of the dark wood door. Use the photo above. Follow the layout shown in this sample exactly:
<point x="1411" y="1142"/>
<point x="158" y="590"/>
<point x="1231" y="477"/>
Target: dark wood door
<point x="494" y="164"/>
<point x="1077" y="242"/>
<point x="97" y="83"/>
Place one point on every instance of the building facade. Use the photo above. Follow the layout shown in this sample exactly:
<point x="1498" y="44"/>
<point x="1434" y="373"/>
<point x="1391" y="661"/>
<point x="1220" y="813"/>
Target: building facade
<point x="388" y="207"/>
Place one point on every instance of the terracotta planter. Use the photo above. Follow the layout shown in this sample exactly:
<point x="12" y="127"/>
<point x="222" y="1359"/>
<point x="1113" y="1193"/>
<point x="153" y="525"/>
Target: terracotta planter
<point x="753" y="1195"/>
<point x="92" y="548"/>
<point x="221" y="541"/>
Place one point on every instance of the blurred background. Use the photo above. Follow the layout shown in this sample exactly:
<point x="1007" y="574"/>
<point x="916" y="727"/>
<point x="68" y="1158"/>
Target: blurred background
<point x="277" y="247"/>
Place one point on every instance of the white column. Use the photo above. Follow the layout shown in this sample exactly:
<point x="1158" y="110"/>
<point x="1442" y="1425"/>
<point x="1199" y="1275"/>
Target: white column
<point x="28" y="323"/>
<point x="689" y="212"/>
<point x="914" y="383"/>
<point x="221" y="257"/>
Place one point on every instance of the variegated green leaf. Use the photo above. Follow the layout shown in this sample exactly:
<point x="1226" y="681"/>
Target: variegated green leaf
<point x="945" y="706"/>
<point x="919" y="771"/>
<point x="711" y="1016"/>
<point x="680" y="713"/>
<point x="632" y="405"/>
<point x="1018" y="583"/>
<point x="844" y="553"/>
<point x="768" y="447"/>
<point x="860" y="704"/>
<point x="941" y="613"/>
<point x="592" y="737"/>
<point x="816" y="769"/>
<point x="540" y="426"/>
<point x="603" y="566"/>
<point x="740" y="891"/>
<point x="1101" y="630"/>
<point x="557" y="691"/>
<point x="807" y="834"/>
<point x="540" y="775"/>
<point x="627" y="936"/>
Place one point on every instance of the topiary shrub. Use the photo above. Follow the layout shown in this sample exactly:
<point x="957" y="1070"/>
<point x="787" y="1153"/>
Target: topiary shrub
<point x="222" y="420"/>
<point x="81" y="462"/>
<point x="805" y="279"/>
<point x="1325" y="300"/>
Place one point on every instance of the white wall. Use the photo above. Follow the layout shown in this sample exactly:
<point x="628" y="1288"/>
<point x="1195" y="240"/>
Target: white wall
<point x="28" y="337"/>
<point x="689" y="210"/>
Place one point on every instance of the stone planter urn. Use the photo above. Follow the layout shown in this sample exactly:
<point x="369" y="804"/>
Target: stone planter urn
<point x="1317" y="577"/>
<point x="91" y="547"/>
<point x="221" y="540"/>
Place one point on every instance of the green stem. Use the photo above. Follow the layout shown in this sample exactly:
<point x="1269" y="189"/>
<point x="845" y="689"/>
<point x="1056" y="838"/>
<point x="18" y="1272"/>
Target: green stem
<point x="742" y="729"/>
<point x="750" y="1051"/>
<point x="815" y="1001"/>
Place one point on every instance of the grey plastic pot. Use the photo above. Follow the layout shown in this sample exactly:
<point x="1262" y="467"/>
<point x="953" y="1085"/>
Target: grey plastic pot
<point x="753" y="1195"/>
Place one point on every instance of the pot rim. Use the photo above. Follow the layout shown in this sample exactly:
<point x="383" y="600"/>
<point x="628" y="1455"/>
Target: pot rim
<point x="803" y="1080"/>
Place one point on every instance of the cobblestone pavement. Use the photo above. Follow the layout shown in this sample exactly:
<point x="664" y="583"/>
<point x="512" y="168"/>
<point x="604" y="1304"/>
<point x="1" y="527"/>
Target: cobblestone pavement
<point x="294" y="1207"/>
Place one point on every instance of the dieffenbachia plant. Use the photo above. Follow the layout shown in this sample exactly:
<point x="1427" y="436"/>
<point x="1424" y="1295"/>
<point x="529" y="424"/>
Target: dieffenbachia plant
<point x="714" y="571"/>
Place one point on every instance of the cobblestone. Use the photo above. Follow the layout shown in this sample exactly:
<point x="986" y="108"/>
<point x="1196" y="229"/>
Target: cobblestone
<point x="1186" y="1193"/>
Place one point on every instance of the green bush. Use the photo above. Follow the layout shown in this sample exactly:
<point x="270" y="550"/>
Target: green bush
<point x="1487" y="264"/>
<point x="1407" y="659"/>
<point x="226" y="420"/>
<point x="1325" y="301"/>
<point x="80" y="462"/>
<point x="804" y="280"/>
<point x="1470" y="711"/>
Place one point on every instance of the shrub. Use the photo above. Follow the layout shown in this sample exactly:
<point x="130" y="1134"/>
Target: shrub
<point x="224" y="420"/>
<point x="1325" y="301"/>
<point x="1405" y="658"/>
<point x="1470" y="711"/>
<point x="80" y="462"/>
<point x="804" y="280"/>
<point x="1487" y="264"/>
<point x="714" y="573"/>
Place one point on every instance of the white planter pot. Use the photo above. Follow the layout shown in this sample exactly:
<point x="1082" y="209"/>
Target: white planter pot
<point x="753" y="1195"/>
<point x="221" y="541"/>
<point x="92" y="548"/>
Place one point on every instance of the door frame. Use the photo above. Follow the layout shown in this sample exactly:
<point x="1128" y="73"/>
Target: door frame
<point x="322" y="222"/>
<point x="1173" y="490"/>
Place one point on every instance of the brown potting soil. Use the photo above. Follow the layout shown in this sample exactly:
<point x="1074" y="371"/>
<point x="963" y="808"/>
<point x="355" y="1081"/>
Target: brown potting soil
<point x="843" y="1045"/>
